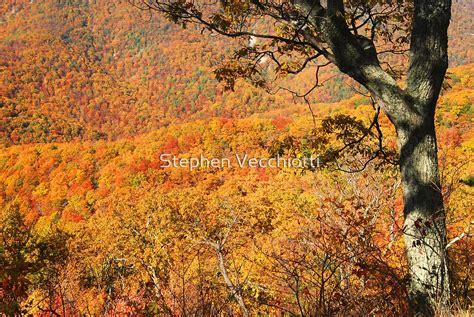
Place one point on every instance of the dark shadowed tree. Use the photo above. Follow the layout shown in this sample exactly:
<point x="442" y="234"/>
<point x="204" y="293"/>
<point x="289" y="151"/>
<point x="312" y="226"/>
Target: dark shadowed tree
<point x="29" y="260"/>
<point x="360" y="38"/>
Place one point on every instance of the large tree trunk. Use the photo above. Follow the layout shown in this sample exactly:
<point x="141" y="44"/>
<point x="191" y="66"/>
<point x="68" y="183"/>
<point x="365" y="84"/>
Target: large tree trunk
<point x="425" y="229"/>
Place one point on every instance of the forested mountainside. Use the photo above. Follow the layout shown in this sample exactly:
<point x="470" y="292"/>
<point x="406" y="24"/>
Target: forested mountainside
<point x="110" y="231"/>
<point x="64" y="177"/>
<point x="92" y="222"/>
<point x="92" y="70"/>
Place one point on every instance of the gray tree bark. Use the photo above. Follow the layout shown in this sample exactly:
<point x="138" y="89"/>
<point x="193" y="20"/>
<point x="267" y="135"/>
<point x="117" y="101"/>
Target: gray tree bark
<point x="235" y="290"/>
<point x="412" y="112"/>
<point x="425" y="228"/>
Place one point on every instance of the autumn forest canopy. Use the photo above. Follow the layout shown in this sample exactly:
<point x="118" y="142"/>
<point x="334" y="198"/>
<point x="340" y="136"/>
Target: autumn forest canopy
<point x="98" y="97"/>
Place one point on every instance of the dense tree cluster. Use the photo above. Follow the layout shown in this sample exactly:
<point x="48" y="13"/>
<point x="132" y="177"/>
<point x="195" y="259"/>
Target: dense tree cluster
<point x="91" y="70"/>
<point x="100" y="228"/>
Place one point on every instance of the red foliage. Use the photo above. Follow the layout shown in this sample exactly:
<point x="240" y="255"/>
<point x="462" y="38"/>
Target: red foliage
<point x="280" y="123"/>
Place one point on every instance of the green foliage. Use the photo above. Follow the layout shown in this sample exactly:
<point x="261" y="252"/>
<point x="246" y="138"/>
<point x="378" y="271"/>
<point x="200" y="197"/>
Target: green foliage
<point x="338" y="138"/>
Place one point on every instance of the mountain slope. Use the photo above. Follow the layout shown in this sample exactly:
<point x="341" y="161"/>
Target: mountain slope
<point x="89" y="70"/>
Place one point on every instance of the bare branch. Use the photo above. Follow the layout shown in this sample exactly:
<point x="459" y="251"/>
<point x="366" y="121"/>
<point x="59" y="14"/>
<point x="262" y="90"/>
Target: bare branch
<point x="463" y="234"/>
